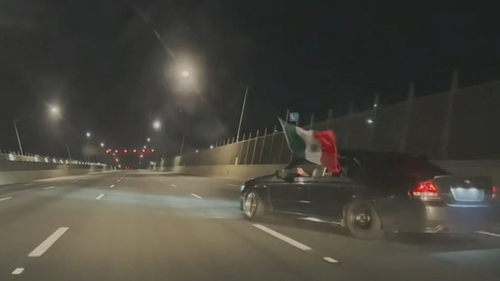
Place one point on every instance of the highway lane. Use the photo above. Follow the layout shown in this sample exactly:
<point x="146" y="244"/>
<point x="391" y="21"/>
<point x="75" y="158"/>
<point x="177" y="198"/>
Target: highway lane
<point x="142" y="225"/>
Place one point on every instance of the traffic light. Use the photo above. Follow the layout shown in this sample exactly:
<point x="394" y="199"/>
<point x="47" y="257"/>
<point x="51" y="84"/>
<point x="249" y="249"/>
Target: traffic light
<point x="125" y="151"/>
<point x="152" y="150"/>
<point x="134" y="150"/>
<point x="116" y="151"/>
<point x="143" y="150"/>
<point x="107" y="151"/>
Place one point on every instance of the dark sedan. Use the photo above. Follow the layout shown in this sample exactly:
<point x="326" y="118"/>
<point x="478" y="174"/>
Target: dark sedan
<point x="377" y="192"/>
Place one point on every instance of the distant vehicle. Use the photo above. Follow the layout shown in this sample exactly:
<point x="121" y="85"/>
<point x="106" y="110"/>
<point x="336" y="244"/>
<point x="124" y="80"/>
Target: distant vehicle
<point x="377" y="192"/>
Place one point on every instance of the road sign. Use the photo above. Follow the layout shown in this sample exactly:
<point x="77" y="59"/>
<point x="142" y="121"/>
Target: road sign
<point x="293" y="117"/>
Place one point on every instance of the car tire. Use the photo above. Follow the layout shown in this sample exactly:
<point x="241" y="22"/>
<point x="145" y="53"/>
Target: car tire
<point x="363" y="221"/>
<point x="253" y="206"/>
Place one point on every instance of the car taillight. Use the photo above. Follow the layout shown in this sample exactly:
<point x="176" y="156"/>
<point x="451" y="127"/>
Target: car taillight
<point x="494" y="192"/>
<point x="425" y="191"/>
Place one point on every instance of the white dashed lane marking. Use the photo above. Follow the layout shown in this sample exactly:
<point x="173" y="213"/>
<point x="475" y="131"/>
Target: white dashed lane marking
<point x="111" y="186"/>
<point x="99" y="197"/>
<point x="6" y="198"/>
<point x="50" y="187"/>
<point x="283" y="238"/>
<point x="488" y="233"/>
<point x="18" y="271"/>
<point x="197" y="196"/>
<point x="38" y="251"/>
<point x="173" y="185"/>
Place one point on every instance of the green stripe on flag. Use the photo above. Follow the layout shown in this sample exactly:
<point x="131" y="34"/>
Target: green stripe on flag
<point x="296" y="144"/>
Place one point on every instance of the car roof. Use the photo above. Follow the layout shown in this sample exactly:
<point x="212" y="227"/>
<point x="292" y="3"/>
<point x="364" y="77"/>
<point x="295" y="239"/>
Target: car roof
<point x="364" y="153"/>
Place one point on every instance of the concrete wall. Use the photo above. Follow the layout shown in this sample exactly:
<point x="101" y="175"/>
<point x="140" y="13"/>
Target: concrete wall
<point x="245" y="172"/>
<point x="18" y="172"/>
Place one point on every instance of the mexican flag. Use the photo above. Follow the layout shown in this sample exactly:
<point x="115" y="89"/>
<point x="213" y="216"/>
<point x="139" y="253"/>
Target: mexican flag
<point x="319" y="147"/>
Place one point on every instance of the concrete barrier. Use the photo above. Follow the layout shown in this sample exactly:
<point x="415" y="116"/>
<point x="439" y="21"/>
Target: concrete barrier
<point x="18" y="172"/>
<point x="244" y="172"/>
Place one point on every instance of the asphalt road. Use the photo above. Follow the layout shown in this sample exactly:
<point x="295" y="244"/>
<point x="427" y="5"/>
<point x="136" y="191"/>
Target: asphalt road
<point x="142" y="225"/>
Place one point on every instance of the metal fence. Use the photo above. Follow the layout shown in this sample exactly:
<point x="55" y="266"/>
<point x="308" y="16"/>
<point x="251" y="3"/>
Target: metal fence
<point x="461" y="124"/>
<point x="27" y="157"/>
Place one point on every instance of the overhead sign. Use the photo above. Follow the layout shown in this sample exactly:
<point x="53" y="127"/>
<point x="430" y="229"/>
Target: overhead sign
<point x="293" y="117"/>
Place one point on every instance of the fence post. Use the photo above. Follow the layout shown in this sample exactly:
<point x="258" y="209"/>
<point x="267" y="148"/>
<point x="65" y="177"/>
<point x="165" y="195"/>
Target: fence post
<point x="272" y="143"/>
<point x="254" y="146"/>
<point x="329" y="119"/>
<point x="449" y="116"/>
<point x="312" y="121"/>
<point x="263" y="145"/>
<point x="248" y="145"/>
<point x="407" y="119"/>
<point x="283" y="137"/>
<point x="348" y="125"/>
<point x="241" y="149"/>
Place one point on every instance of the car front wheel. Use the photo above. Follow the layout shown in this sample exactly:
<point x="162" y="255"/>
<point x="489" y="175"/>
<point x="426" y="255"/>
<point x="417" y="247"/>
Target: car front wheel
<point x="253" y="206"/>
<point x="363" y="221"/>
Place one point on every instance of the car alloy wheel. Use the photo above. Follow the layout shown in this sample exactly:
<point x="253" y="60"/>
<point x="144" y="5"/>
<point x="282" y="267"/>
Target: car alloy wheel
<point x="363" y="221"/>
<point x="250" y="204"/>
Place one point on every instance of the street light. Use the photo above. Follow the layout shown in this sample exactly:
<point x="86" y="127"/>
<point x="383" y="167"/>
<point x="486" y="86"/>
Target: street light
<point x="88" y="134"/>
<point x="185" y="73"/>
<point x="148" y="139"/>
<point x="156" y="125"/>
<point x="54" y="110"/>
<point x="369" y="121"/>
<point x="102" y="144"/>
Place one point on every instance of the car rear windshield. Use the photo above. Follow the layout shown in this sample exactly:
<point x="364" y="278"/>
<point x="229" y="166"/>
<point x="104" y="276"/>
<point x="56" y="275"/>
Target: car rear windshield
<point x="404" y="164"/>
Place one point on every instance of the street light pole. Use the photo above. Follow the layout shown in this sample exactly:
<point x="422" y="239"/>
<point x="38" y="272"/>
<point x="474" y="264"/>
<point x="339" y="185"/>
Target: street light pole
<point x="69" y="153"/>
<point x="182" y="144"/>
<point x="241" y="115"/>
<point x="18" y="138"/>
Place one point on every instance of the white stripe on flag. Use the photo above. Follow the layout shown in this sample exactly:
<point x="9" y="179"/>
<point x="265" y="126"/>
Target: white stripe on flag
<point x="313" y="147"/>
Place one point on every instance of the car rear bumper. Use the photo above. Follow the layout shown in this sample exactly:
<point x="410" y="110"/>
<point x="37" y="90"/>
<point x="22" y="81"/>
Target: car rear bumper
<point x="436" y="219"/>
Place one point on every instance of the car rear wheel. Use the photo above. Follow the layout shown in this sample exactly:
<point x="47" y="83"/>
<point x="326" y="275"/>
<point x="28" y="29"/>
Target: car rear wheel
<point x="253" y="206"/>
<point x="363" y="221"/>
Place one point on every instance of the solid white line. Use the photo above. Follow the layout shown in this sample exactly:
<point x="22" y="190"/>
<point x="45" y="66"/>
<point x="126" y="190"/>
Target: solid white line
<point x="18" y="271"/>
<point x="173" y="185"/>
<point x="330" y="260"/>
<point x="111" y="186"/>
<point x="38" y="251"/>
<point x="233" y="185"/>
<point x="197" y="196"/>
<point x="100" y="196"/>
<point x="6" y="198"/>
<point x="283" y="238"/>
<point x="488" y="233"/>
<point x="118" y="181"/>
<point x="50" y="187"/>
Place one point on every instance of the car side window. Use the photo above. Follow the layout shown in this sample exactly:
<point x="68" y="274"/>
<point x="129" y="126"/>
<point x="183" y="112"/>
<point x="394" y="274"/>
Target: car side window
<point x="349" y="167"/>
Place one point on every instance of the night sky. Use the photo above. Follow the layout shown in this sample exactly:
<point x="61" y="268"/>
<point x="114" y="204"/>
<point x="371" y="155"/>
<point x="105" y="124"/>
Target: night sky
<point x="102" y="64"/>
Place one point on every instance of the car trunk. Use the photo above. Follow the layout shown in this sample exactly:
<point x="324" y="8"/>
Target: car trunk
<point x="460" y="191"/>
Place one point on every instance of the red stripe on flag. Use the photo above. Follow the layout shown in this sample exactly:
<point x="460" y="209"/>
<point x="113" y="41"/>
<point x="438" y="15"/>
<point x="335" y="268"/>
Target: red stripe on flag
<point x="329" y="155"/>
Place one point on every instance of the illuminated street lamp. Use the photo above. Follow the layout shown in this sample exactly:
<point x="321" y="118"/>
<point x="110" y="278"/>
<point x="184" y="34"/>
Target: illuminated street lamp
<point x="102" y="144"/>
<point x="185" y="73"/>
<point x="369" y="121"/>
<point x="88" y="134"/>
<point x="156" y="125"/>
<point x="54" y="110"/>
<point x="148" y="139"/>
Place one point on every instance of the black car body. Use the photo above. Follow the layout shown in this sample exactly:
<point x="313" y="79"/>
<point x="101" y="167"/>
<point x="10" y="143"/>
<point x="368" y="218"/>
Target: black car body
<point x="378" y="192"/>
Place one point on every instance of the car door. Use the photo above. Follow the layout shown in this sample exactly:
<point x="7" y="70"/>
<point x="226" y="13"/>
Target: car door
<point x="290" y="196"/>
<point x="329" y="195"/>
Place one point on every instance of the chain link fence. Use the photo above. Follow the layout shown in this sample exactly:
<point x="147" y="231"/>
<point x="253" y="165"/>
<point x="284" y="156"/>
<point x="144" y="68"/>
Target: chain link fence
<point x="461" y="124"/>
